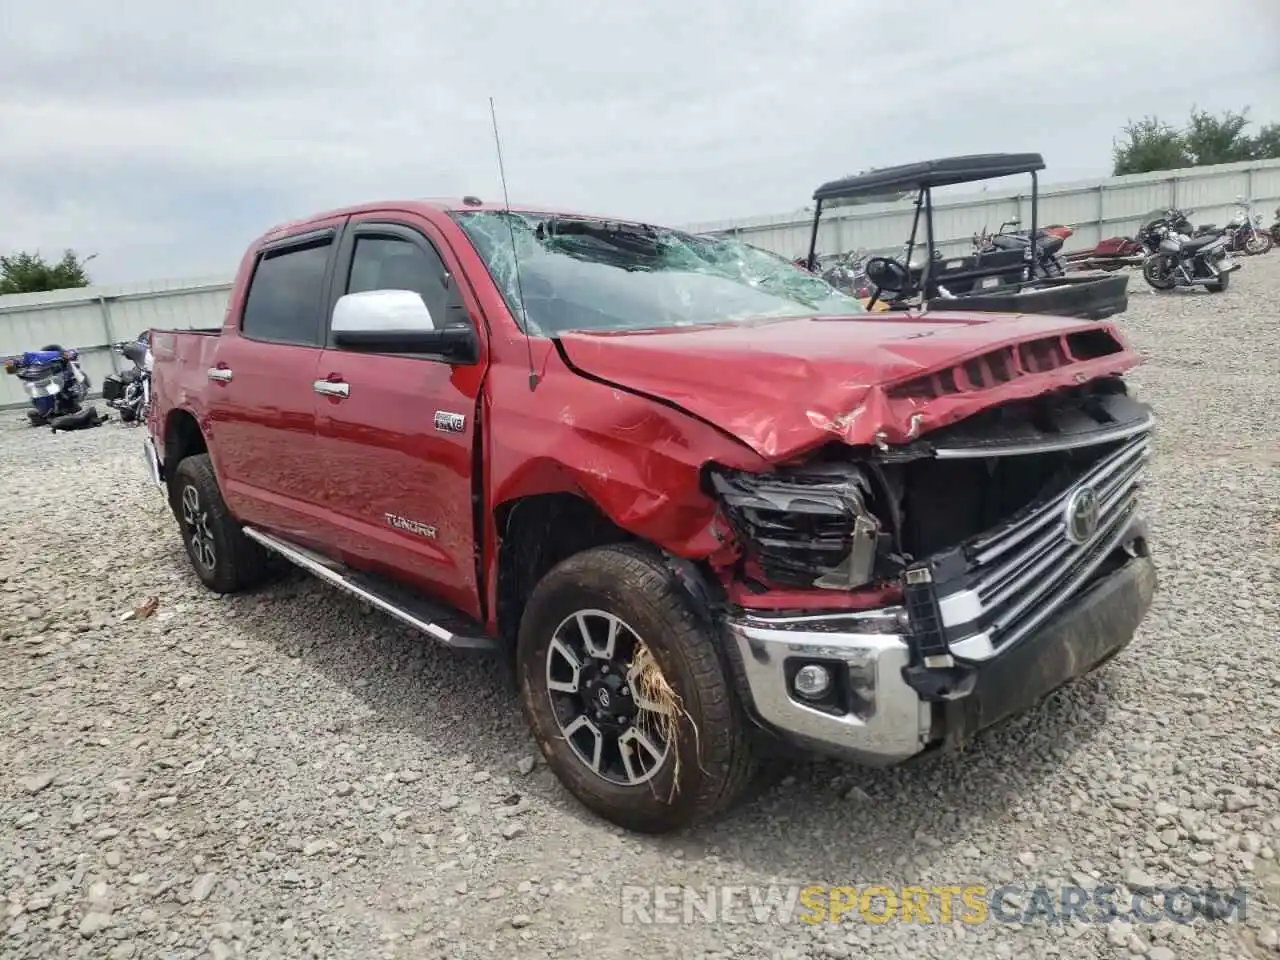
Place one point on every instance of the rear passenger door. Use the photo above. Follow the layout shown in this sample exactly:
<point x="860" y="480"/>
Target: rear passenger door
<point x="263" y="399"/>
<point x="398" y="443"/>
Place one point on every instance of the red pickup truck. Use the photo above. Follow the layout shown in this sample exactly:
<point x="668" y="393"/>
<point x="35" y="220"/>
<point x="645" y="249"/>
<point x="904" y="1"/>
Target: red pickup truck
<point x="703" y="501"/>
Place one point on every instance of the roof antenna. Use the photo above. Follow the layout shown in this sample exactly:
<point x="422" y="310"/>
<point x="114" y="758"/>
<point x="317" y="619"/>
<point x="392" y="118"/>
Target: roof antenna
<point x="515" y="257"/>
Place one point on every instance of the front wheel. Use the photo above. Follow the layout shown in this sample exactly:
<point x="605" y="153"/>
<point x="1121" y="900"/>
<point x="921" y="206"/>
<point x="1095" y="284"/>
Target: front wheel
<point x="1258" y="243"/>
<point x="224" y="559"/>
<point x="626" y="693"/>
<point x="1154" y="272"/>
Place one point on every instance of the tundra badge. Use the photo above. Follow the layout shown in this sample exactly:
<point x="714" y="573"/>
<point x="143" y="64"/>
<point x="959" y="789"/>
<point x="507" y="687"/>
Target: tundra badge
<point x="447" y="422"/>
<point x="410" y="526"/>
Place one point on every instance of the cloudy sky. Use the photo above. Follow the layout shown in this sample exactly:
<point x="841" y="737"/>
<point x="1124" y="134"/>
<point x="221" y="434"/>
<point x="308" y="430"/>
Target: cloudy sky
<point x="164" y="137"/>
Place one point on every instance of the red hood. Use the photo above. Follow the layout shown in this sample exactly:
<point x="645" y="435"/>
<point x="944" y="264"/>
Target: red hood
<point x="786" y="386"/>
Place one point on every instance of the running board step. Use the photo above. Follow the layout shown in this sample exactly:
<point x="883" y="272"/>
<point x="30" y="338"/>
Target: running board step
<point x="449" y="628"/>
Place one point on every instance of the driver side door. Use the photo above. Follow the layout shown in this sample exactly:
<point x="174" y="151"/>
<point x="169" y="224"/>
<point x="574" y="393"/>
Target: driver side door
<point x="398" y="439"/>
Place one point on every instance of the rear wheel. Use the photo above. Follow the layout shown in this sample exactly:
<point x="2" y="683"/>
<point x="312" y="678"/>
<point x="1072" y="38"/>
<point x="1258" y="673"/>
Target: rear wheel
<point x="224" y="559"/>
<point x="626" y="694"/>
<point x="128" y="415"/>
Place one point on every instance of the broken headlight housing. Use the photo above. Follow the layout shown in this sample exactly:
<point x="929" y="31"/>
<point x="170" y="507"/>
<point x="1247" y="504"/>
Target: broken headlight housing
<point x="805" y="528"/>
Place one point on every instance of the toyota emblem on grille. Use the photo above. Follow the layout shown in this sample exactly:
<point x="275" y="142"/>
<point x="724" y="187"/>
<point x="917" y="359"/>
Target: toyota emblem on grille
<point x="1082" y="515"/>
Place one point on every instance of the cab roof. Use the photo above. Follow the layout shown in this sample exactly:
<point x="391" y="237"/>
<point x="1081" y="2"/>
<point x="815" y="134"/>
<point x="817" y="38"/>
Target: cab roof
<point x="421" y="205"/>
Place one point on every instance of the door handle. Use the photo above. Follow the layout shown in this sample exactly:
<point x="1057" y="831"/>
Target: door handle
<point x="221" y="374"/>
<point x="332" y="388"/>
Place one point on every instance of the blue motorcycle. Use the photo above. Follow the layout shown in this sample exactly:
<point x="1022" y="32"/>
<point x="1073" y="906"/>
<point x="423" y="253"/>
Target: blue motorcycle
<point x="57" y="386"/>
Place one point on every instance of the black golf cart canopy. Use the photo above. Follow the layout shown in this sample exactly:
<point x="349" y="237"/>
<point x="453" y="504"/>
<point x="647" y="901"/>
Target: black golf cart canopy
<point x="1003" y="280"/>
<point x="930" y="173"/>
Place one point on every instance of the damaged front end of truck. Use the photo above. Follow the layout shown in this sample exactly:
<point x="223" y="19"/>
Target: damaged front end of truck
<point x="888" y="598"/>
<point x="906" y="525"/>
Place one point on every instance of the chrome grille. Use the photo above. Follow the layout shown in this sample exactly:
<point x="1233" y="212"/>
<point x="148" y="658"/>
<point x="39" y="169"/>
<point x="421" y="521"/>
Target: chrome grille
<point x="1018" y="576"/>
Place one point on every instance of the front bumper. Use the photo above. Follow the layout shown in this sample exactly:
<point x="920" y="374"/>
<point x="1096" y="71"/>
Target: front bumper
<point x="879" y="716"/>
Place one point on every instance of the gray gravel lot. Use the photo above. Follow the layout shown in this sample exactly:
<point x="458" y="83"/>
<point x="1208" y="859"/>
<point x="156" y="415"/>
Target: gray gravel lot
<point x="284" y="774"/>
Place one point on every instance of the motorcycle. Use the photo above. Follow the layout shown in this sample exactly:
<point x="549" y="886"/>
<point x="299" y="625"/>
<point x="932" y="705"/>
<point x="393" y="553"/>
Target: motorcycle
<point x="1243" y="231"/>
<point x="57" y="386"/>
<point x="1114" y="253"/>
<point x="1049" y="242"/>
<point x="129" y="392"/>
<point x="1177" y="260"/>
<point x="1275" y="228"/>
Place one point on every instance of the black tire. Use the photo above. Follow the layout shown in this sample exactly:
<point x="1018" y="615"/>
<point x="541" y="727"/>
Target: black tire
<point x="84" y="417"/>
<point x="36" y="418"/>
<point x="224" y="559"/>
<point x="713" y="742"/>
<point x="1256" y="246"/>
<point x="127" y="415"/>
<point x="1157" y="278"/>
<point x="1220" y="285"/>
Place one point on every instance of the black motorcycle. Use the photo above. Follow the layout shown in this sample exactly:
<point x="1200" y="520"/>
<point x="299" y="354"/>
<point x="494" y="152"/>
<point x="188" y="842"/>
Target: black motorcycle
<point x="129" y="392"/>
<point x="1243" y="232"/>
<point x="1177" y="260"/>
<point x="1049" y="262"/>
<point x="1275" y="228"/>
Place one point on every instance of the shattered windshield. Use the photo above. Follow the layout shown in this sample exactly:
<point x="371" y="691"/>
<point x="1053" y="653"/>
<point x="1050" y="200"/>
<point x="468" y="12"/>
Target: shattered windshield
<point x="578" y="273"/>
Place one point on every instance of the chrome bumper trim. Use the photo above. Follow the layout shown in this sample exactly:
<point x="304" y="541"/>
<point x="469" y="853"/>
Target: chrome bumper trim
<point x="896" y="728"/>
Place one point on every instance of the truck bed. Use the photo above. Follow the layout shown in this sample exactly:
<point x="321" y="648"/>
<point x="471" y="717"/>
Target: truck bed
<point x="180" y="363"/>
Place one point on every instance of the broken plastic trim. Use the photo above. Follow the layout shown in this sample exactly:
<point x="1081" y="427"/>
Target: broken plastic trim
<point x="1068" y="420"/>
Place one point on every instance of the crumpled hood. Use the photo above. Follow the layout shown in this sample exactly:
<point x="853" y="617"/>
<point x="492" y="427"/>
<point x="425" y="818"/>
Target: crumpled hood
<point x="786" y="386"/>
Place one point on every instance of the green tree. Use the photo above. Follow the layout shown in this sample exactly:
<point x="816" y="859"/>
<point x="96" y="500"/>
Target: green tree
<point x="1211" y="139"/>
<point x="30" y="273"/>
<point x="1266" y="145"/>
<point x="1149" y="144"/>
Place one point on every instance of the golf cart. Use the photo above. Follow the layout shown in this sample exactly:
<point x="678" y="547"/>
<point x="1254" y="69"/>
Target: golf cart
<point x="996" y="280"/>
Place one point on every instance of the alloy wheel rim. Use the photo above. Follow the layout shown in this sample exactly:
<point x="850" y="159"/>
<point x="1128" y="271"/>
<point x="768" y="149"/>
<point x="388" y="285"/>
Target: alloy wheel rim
<point x="196" y="521"/>
<point x="609" y="725"/>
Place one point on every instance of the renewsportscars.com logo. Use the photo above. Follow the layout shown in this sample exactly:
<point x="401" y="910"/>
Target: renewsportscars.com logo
<point x="963" y="903"/>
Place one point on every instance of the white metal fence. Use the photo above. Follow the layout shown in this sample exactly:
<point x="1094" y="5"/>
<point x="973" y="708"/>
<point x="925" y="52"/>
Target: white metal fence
<point x="92" y="318"/>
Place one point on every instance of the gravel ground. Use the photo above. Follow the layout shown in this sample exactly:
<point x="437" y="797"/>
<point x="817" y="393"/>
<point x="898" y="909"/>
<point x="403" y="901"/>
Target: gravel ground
<point x="286" y="774"/>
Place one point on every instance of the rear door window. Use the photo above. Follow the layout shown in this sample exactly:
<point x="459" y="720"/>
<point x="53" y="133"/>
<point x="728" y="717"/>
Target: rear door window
<point x="285" y="294"/>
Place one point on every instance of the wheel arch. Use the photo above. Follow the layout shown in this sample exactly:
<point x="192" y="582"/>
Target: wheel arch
<point x="538" y="531"/>
<point x="183" y="438"/>
<point x="534" y="533"/>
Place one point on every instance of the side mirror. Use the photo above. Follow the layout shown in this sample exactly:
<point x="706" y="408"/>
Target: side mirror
<point x="397" y="321"/>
